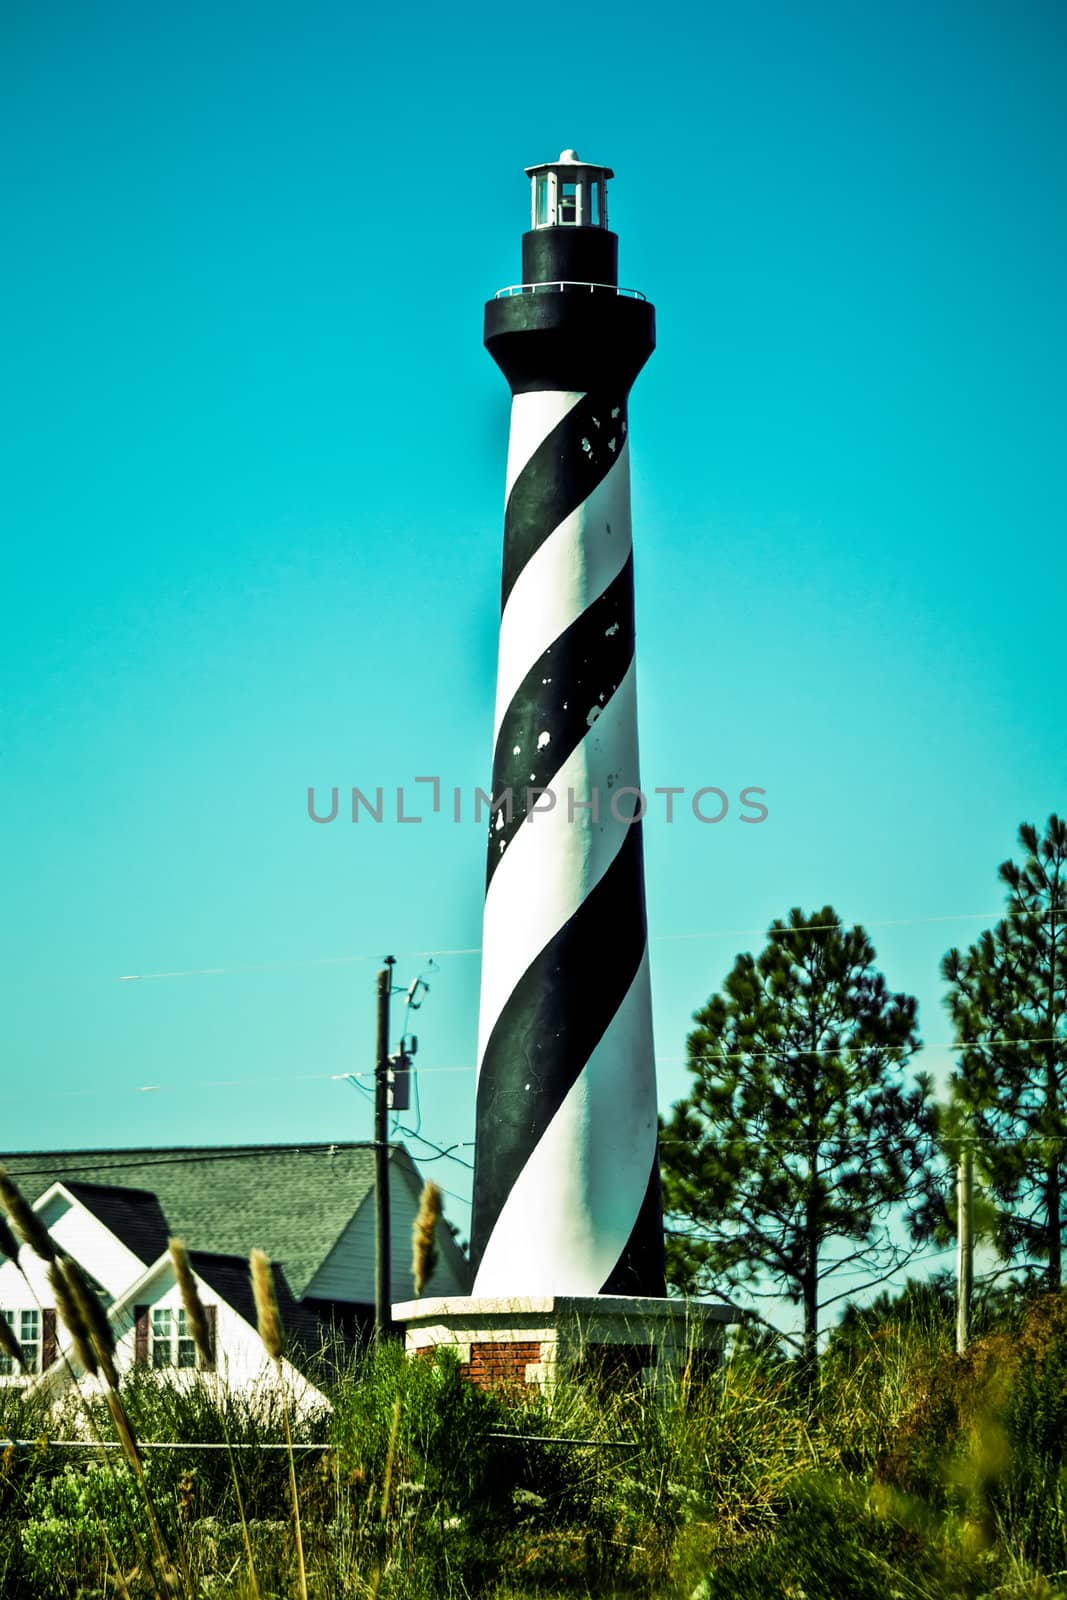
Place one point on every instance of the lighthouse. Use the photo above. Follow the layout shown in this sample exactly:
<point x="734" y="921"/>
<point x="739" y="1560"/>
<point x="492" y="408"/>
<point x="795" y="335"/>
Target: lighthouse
<point x="566" y="1187"/>
<point x="566" y="1230"/>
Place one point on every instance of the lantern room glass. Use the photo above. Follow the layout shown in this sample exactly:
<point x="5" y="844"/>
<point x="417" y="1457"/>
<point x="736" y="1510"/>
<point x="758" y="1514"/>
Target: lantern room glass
<point x="571" y="196"/>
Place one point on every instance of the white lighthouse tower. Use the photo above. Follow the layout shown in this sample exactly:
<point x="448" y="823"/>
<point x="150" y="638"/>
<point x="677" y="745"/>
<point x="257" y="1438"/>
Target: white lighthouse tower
<point x="567" y="1230"/>
<point x="566" y="1188"/>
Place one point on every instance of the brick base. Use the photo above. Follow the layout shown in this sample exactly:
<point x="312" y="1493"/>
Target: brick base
<point x="494" y="1362"/>
<point x="617" y="1341"/>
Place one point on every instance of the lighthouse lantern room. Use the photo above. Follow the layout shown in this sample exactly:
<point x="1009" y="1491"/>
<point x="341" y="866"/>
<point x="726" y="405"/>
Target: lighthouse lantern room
<point x="569" y="193"/>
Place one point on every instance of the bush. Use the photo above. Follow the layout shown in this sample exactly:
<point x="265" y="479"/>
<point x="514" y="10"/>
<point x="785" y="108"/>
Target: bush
<point x="988" y="1437"/>
<point x="835" y="1541"/>
<point x="1029" y="1497"/>
<point x="439" y="1496"/>
<point x="70" y="1519"/>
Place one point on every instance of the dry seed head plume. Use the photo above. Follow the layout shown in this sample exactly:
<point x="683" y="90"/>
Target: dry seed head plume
<point x="70" y="1312"/>
<point x="9" y="1245"/>
<point x="267" y="1318"/>
<point x="101" y="1333"/>
<point x="424" y="1236"/>
<point x="25" y="1218"/>
<point x="10" y="1345"/>
<point x="194" y="1306"/>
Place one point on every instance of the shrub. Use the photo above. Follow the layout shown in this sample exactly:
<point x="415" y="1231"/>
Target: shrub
<point x="71" y="1517"/>
<point x="833" y="1541"/>
<point x="438" y="1496"/>
<point x="989" y="1436"/>
<point x="1028" y="1498"/>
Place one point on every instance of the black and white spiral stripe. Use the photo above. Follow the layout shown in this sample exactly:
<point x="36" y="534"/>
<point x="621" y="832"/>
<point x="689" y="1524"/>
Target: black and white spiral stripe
<point x="566" y="1193"/>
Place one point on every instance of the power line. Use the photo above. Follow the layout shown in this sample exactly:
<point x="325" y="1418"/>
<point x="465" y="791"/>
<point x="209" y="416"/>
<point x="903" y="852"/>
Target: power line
<point x="946" y="1046"/>
<point x="275" y="966"/>
<point x="461" y="1144"/>
<point x="234" y="1153"/>
<point x="801" y="1147"/>
<point x="844" y="926"/>
<point x="161" y="1159"/>
<point x="863" y="1050"/>
<point x="245" y="1153"/>
<point x="469" y="1067"/>
<point x="224" y="1083"/>
<point x="762" y="931"/>
<point x="414" y="1133"/>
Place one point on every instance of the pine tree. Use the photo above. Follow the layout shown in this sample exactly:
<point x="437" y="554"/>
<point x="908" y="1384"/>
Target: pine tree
<point x="802" y="1130"/>
<point x="1008" y="1001"/>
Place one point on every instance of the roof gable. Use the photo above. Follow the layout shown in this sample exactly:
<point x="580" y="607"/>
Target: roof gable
<point x="132" y="1215"/>
<point x="229" y="1278"/>
<point x="292" y="1201"/>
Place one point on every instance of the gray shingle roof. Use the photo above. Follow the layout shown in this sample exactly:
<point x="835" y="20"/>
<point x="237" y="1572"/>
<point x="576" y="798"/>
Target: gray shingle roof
<point x="292" y="1201"/>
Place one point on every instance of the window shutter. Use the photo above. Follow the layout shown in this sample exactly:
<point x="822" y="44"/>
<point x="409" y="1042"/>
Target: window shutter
<point x="211" y="1313"/>
<point x="49" y="1350"/>
<point x="140" y="1335"/>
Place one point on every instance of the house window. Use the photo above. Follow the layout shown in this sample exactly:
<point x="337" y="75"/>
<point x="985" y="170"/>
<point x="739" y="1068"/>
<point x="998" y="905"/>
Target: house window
<point x="172" y="1340"/>
<point x="30" y="1339"/>
<point x="26" y="1326"/>
<point x="568" y="203"/>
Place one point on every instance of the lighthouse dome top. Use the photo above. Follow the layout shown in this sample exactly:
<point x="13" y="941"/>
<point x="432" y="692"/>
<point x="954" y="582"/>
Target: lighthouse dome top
<point x="569" y="158"/>
<point x="569" y="192"/>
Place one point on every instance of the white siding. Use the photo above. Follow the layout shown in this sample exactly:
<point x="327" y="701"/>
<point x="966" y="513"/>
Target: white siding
<point x="348" y="1271"/>
<point x="241" y="1361"/>
<point x="83" y="1236"/>
<point x="16" y="1296"/>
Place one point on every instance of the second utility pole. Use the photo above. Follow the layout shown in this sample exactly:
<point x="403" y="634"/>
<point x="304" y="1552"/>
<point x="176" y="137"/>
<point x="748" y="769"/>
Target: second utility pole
<point x="382" y="1299"/>
<point x="964" y="1246"/>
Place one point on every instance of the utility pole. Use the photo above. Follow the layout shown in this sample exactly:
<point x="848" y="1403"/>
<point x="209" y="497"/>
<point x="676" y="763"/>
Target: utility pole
<point x="382" y="1296"/>
<point x="964" y="1246"/>
<point x="1053" y="1198"/>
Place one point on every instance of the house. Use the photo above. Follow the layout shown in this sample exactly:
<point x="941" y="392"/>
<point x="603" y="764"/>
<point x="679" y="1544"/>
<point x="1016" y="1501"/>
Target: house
<point x="310" y="1208"/>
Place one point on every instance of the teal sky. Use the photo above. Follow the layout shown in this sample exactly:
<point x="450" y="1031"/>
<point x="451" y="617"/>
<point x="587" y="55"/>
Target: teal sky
<point x="252" y="456"/>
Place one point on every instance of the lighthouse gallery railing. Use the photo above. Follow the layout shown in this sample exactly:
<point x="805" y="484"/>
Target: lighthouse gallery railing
<point x="540" y="288"/>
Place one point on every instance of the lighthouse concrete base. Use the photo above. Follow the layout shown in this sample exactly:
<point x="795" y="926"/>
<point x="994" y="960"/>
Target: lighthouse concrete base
<point x="533" y="1342"/>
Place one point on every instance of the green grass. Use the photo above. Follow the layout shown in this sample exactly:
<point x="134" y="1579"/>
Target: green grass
<point x="908" y="1475"/>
